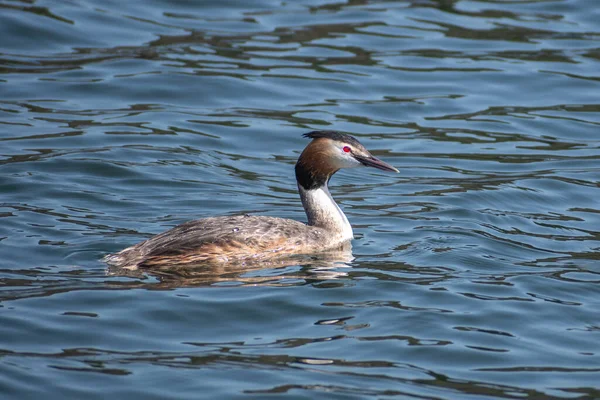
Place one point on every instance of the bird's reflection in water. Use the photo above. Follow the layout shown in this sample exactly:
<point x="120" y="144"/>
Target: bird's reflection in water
<point x="282" y="271"/>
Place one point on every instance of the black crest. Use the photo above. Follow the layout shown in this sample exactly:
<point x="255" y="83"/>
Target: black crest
<point x="333" y="135"/>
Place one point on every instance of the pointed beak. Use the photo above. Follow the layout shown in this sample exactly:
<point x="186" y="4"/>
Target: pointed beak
<point x="371" y="161"/>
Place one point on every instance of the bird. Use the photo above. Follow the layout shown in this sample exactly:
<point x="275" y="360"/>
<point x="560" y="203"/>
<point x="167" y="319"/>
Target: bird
<point x="251" y="239"/>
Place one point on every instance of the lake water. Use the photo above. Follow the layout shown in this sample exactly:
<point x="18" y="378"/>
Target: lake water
<point x="475" y="272"/>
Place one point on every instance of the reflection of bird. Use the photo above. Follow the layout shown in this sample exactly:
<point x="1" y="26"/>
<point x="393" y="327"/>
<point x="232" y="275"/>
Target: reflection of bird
<point x="252" y="238"/>
<point x="326" y="265"/>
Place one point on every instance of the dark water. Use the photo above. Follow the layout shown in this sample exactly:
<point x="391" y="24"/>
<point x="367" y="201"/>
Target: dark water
<point x="476" y="269"/>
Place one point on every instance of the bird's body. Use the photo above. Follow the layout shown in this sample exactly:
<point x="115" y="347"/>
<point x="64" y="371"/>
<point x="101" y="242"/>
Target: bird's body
<point x="254" y="238"/>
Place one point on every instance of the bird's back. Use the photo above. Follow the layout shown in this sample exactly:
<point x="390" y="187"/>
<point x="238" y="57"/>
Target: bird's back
<point x="225" y="239"/>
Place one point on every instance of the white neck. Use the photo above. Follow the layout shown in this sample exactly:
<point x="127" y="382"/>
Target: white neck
<point x="323" y="212"/>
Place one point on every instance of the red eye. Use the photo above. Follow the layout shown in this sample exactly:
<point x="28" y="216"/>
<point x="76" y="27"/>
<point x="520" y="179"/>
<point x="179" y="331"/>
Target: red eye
<point x="347" y="149"/>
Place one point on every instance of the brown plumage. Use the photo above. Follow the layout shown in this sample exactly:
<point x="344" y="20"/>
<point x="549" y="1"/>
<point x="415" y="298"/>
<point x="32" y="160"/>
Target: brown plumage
<point x="221" y="240"/>
<point x="250" y="239"/>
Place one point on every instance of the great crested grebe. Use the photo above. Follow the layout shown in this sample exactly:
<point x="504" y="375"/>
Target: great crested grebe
<point x="248" y="238"/>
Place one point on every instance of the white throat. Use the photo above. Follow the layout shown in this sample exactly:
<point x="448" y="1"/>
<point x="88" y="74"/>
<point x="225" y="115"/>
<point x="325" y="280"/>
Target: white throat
<point x="322" y="211"/>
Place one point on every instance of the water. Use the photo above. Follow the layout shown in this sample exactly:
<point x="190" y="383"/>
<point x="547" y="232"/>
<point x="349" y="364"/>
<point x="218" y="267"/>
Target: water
<point x="475" y="271"/>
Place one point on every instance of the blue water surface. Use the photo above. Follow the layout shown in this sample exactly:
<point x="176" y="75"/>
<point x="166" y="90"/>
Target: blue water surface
<point x="474" y="274"/>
